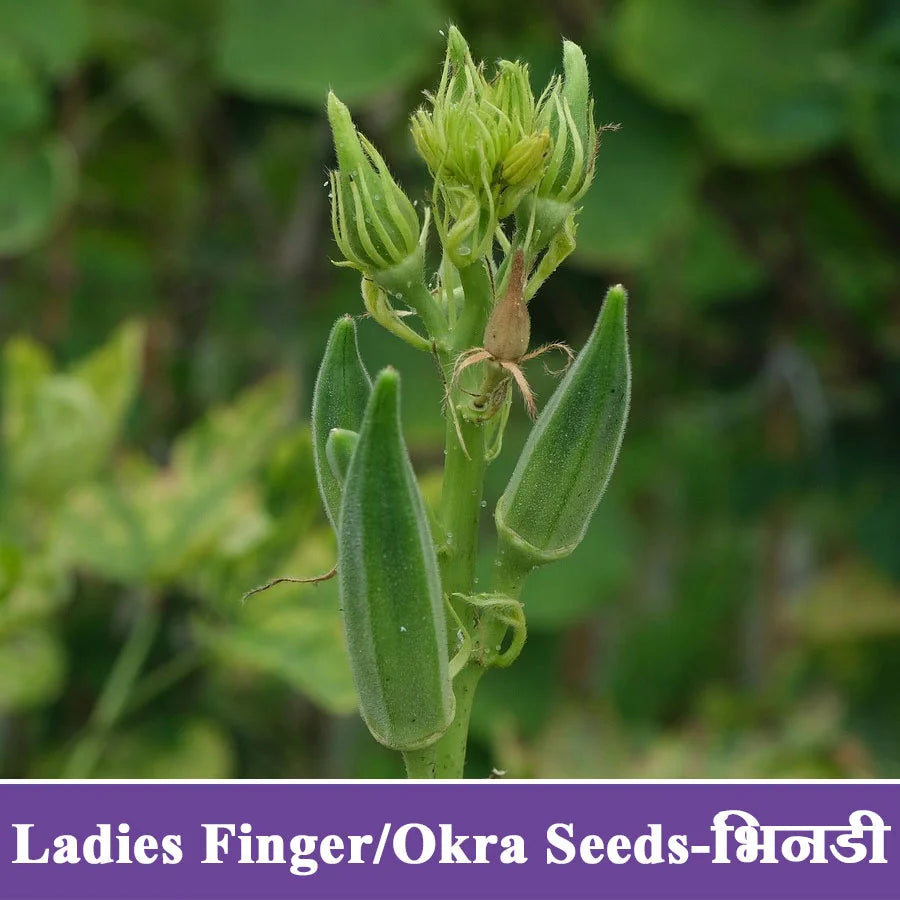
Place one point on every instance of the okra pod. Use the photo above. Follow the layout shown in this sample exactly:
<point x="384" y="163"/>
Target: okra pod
<point x="390" y="588"/>
<point x="339" y="401"/>
<point x="569" y="456"/>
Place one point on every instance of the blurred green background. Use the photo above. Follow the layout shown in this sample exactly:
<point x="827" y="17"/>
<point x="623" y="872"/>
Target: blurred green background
<point x="165" y="291"/>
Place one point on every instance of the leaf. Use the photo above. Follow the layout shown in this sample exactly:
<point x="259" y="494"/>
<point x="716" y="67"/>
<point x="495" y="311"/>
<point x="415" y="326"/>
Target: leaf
<point x="760" y="77"/>
<point x="32" y="669"/>
<point x="290" y="632"/>
<point x="113" y="371"/>
<point x="51" y="33"/>
<point x="36" y="186"/>
<point x="299" y="49"/>
<point x="23" y="105"/>
<point x="192" y="748"/>
<point x="58" y="428"/>
<point x="157" y="524"/>
<point x="715" y="269"/>
<point x="874" y="101"/>
<point x="644" y="182"/>
<point x="232" y="439"/>
<point x="824" y="615"/>
<point x="31" y="587"/>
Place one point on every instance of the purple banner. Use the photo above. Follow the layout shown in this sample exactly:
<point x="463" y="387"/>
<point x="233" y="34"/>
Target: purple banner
<point x="452" y="840"/>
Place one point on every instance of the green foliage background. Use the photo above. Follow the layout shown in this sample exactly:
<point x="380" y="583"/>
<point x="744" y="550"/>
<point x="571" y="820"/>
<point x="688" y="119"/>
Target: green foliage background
<point x="165" y="292"/>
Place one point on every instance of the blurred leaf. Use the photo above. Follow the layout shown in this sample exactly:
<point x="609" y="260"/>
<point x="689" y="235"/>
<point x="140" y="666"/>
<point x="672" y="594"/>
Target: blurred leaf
<point x="23" y="105"/>
<point x="291" y="632"/>
<point x="299" y="49"/>
<point x="762" y="77"/>
<point x="32" y="669"/>
<point x="848" y="602"/>
<point x="559" y="596"/>
<point x="852" y="256"/>
<point x="51" y="33"/>
<point x="714" y="268"/>
<point x="643" y="188"/>
<point x="150" y="524"/>
<point x="874" y="96"/>
<point x="31" y="587"/>
<point x="58" y="429"/>
<point x="36" y="186"/>
<point x="232" y="439"/>
<point x="191" y="748"/>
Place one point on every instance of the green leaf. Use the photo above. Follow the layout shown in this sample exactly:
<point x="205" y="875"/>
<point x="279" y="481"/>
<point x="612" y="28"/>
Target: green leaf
<point x="296" y="50"/>
<point x="31" y="588"/>
<point x="36" y="186"/>
<point x="146" y="523"/>
<point x="874" y="101"/>
<point x="192" y="748"/>
<point x="23" y="105"/>
<point x="643" y="183"/>
<point x="51" y="33"/>
<point x="760" y="77"/>
<point x="58" y="429"/>
<point x="32" y="669"/>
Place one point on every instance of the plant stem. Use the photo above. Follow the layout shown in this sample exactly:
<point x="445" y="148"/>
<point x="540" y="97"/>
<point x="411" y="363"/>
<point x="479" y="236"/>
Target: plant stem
<point x="420" y="763"/>
<point x="460" y="513"/>
<point x="116" y="691"/>
<point x="476" y="285"/>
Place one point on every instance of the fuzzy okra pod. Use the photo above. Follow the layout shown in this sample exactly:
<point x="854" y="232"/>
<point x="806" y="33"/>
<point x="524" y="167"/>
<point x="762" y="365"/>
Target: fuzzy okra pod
<point x="339" y="401"/>
<point x="390" y="587"/>
<point x="571" y="451"/>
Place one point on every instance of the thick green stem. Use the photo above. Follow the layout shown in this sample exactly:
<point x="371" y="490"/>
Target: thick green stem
<point x="476" y="284"/>
<point x="461" y="505"/>
<point x="450" y="750"/>
<point x="460" y="513"/>
<point x="420" y="763"/>
<point x="116" y="692"/>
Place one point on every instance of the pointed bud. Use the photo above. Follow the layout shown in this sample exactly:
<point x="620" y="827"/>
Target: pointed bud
<point x="339" y="401"/>
<point x="568" y="112"/>
<point x="374" y="222"/>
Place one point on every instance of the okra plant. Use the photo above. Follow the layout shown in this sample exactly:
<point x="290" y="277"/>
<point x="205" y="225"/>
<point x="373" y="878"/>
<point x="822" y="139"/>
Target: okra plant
<point x="508" y="171"/>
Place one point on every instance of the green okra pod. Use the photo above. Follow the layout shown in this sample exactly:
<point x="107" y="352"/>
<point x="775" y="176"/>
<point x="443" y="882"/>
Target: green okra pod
<point x="339" y="449"/>
<point x="339" y="401"/>
<point x="393" y="607"/>
<point x="571" y="451"/>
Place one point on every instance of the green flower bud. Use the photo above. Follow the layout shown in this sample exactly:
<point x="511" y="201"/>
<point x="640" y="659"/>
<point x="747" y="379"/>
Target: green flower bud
<point x="567" y="111"/>
<point x="374" y="222"/>
<point x="483" y="147"/>
<point x="571" y="451"/>
<point x="393" y="607"/>
<point x="512" y="97"/>
<point x="339" y="401"/>
<point x="339" y="449"/>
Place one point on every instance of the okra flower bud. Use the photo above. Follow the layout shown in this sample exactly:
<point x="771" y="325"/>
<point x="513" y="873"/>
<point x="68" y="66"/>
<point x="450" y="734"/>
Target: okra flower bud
<point x="483" y="147"/>
<point x="567" y="112"/>
<point x="570" y="454"/>
<point x="393" y="607"/>
<point x="339" y="401"/>
<point x="374" y="222"/>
